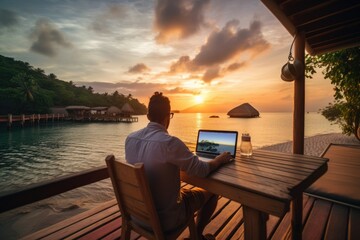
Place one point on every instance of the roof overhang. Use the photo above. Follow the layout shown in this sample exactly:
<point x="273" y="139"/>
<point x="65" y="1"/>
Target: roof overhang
<point x="328" y="25"/>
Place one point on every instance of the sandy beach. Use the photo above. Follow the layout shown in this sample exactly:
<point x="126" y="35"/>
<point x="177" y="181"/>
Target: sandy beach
<point x="22" y="221"/>
<point x="315" y="145"/>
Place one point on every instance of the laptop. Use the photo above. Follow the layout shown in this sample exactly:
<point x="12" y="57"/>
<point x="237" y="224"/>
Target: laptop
<point x="211" y="143"/>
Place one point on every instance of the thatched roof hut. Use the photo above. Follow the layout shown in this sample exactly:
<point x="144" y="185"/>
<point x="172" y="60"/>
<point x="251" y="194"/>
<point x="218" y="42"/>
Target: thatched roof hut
<point x="113" y="110"/>
<point x="244" y="110"/>
<point x="127" y="108"/>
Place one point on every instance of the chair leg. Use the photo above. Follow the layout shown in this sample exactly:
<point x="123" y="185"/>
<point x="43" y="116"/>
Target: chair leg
<point x="192" y="229"/>
<point x="125" y="231"/>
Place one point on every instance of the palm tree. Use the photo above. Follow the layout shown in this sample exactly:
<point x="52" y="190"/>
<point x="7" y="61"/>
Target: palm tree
<point x="52" y="76"/>
<point x="26" y="84"/>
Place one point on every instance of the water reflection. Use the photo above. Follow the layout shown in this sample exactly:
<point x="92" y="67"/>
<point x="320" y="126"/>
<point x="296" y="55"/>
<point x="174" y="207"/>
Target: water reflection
<point x="199" y="117"/>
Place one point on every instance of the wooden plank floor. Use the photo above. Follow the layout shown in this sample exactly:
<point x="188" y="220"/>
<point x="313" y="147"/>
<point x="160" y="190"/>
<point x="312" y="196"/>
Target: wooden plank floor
<point x="322" y="220"/>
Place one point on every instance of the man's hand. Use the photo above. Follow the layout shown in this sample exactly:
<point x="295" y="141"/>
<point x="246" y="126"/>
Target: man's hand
<point x="223" y="158"/>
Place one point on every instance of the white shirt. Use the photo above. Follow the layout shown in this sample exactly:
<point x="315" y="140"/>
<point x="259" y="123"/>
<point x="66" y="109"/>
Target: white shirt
<point x="163" y="157"/>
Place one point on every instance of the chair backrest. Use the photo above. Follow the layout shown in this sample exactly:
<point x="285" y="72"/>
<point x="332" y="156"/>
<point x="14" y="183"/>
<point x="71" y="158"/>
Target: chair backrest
<point x="134" y="197"/>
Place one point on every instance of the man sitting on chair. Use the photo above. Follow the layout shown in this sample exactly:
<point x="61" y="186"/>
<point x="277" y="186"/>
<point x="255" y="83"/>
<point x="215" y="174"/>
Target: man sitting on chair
<point x="164" y="156"/>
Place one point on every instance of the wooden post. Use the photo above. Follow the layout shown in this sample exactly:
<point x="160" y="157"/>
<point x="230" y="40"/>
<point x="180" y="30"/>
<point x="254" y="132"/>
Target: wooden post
<point x="9" y="121"/>
<point x="254" y="223"/>
<point x="32" y="119"/>
<point x="22" y="120"/>
<point x="39" y="117"/>
<point x="296" y="217"/>
<point x="299" y="97"/>
<point x="298" y="130"/>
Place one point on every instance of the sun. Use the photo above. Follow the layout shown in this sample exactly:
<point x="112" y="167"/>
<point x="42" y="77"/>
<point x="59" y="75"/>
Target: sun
<point x="198" y="99"/>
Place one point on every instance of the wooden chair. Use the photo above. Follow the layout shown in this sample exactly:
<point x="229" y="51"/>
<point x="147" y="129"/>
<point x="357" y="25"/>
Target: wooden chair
<point x="134" y="198"/>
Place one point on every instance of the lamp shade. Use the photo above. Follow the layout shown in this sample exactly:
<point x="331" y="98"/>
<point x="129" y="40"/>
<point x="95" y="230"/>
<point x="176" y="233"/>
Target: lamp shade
<point x="291" y="70"/>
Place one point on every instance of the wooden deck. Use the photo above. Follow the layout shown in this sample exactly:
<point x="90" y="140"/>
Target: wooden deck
<point x="322" y="220"/>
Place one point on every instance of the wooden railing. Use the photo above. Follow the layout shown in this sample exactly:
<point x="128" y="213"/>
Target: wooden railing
<point x="39" y="191"/>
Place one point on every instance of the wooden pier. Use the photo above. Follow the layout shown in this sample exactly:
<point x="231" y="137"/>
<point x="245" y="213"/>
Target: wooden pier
<point x="22" y="119"/>
<point x="108" y="118"/>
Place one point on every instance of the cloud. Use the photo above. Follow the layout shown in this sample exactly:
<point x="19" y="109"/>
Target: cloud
<point x="47" y="38"/>
<point x="178" y="19"/>
<point x="139" y="68"/>
<point x="184" y="64"/>
<point x="138" y="89"/>
<point x="8" y="18"/>
<point x="236" y="66"/>
<point x="212" y="73"/>
<point x="220" y="55"/>
<point x="114" y="12"/>
<point x="230" y="42"/>
<point x="179" y="90"/>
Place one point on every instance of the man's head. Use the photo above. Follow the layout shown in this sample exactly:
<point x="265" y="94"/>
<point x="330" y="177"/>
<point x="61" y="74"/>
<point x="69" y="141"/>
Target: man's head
<point x="159" y="109"/>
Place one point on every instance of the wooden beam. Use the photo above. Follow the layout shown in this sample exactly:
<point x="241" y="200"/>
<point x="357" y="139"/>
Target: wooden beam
<point x="299" y="97"/>
<point x="291" y="8"/>
<point x="331" y="11"/>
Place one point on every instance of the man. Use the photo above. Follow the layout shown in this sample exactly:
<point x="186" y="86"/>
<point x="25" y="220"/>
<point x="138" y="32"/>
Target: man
<point x="164" y="156"/>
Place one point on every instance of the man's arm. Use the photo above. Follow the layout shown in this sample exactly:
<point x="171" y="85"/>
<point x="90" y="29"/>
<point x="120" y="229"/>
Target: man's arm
<point x="223" y="158"/>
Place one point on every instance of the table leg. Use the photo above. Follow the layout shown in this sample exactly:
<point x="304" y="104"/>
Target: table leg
<point x="296" y="220"/>
<point x="254" y="223"/>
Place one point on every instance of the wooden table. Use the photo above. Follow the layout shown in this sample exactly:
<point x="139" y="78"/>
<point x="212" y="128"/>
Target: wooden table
<point x="265" y="183"/>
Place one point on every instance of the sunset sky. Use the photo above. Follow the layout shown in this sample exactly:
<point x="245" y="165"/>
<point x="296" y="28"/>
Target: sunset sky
<point x="221" y="53"/>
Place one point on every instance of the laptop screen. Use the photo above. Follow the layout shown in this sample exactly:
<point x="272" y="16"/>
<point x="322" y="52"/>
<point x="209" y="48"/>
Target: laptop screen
<point x="215" y="142"/>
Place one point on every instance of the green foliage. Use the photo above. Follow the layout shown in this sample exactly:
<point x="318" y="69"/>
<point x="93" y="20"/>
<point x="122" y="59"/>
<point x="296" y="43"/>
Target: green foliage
<point x="26" y="90"/>
<point x="342" y="68"/>
<point x="332" y="112"/>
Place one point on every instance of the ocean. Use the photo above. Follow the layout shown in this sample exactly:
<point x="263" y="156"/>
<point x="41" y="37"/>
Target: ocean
<point x="38" y="153"/>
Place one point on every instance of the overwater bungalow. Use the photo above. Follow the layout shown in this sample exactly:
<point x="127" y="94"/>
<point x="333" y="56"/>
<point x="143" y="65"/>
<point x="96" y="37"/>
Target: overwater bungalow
<point x="98" y="110"/>
<point x="127" y="110"/>
<point x="113" y="111"/>
<point x="78" y="113"/>
<point x="101" y="114"/>
<point x="321" y="27"/>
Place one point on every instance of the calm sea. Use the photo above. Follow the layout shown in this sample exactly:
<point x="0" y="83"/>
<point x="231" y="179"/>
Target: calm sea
<point x="34" y="154"/>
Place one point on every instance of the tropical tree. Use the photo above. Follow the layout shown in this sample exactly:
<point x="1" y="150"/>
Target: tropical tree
<point x="342" y="68"/>
<point x="52" y="76"/>
<point x="26" y="84"/>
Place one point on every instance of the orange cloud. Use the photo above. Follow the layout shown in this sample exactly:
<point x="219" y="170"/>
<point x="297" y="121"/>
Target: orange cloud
<point x="139" y="68"/>
<point x="230" y="42"/>
<point x="223" y="46"/>
<point x="178" y="19"/>
<point x="179" y="90"/>
<point x="212" y="73"/>
<point x="182" y="65"/>
<point x="235" y="66"/>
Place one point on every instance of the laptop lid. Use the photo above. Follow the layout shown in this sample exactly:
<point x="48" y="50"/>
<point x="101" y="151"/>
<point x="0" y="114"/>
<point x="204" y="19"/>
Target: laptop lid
<point x="215" y="142"/>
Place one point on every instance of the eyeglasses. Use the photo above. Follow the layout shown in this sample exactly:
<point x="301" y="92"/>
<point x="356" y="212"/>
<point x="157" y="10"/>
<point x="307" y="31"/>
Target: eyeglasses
<point x="171" y="115"/>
